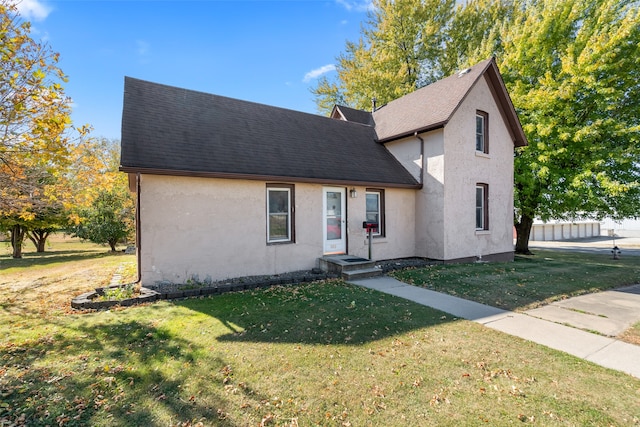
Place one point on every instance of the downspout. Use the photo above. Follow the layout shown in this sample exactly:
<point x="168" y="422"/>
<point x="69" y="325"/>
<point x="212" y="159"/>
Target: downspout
<point x="421" y="157"/>
<point x="138" y="237"/>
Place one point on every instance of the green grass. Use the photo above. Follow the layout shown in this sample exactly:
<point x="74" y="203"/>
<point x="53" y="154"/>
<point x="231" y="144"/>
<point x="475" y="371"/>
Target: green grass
<point x="529" y="281"/>
<point x="316" y="354"/>
<point x="324" y="353"/>
<point x="60" y="249"/>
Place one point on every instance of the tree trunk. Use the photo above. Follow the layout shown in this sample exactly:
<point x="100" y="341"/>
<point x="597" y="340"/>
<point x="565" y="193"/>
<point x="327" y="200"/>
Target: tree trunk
<point x="39" y="239"/>
<point x="523" y="230"/>
<point x="113" y="243"/>
<point x="17" y="237"/>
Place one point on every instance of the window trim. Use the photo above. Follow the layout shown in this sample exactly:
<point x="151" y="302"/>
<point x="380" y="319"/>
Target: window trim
<point x="289" y="188"/>
<point x="381" y="211"/>
<point x="484" y="207"/>
<point x="485" y="130"/>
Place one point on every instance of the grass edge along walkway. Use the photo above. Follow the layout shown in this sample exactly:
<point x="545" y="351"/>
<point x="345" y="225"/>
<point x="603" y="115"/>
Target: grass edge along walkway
<point x="604" y="351"/>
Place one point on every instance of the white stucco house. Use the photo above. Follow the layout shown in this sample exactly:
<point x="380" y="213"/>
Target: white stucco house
<point x="228" y="188"/>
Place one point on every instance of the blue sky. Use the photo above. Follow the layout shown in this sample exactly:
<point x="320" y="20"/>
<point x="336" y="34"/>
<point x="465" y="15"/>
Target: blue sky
<point x="269" y="52"/>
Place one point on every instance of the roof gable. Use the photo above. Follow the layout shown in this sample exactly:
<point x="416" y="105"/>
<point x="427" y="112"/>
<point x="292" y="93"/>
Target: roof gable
<point x="433" y="106"/>
<point x="168" y="130"/>
<point x="349" y="114"/>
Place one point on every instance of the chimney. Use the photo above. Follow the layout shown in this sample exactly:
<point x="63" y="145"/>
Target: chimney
<point x="373" y="104"/>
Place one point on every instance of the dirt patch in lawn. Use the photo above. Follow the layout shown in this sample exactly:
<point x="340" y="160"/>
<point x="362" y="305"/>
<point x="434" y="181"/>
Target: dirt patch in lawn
<point x="45" y="283"/>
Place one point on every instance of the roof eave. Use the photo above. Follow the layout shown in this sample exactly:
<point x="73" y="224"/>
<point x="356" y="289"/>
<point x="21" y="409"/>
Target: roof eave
<point x="520" y="139"/>
<point x="252" y="177"/>
<point x="413" y="132"/>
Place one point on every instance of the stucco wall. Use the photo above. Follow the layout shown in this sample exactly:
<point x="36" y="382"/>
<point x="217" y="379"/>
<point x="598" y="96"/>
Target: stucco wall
<point x="216" y="229"/>
<point x="399" y="238"/>
<point x="465" y="167"/>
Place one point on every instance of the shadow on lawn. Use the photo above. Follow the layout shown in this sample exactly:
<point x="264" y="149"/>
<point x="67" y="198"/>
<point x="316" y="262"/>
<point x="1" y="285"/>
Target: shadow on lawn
<point x="140" y="373"/>
<point x="45" y="258"/>
<point x="329" y="312"/>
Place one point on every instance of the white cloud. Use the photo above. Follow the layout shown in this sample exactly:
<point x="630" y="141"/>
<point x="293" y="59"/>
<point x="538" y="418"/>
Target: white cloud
<point x="33" y="9"/>
<point x="356" y="5"/>
<point x="143" y="47"/>
<point x="314" y="74"/>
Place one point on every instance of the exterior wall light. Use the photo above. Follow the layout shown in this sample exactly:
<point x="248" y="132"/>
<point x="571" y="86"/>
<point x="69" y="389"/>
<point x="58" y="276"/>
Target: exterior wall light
<point x="353" y="193"/>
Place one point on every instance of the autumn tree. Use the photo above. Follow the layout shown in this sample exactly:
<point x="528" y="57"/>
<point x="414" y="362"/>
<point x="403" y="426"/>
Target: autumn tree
<point x="104" y="210"/>
<point x="571" y="69"/>
<point x="34" y="119"/>
<point x="41" y="212"/>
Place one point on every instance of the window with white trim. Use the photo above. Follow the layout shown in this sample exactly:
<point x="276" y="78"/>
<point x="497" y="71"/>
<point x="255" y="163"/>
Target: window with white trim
<point x="482" y="206"/>
<point x="280" y="220"/>
<point x="375" y="209"/>
<point x="482" y="132"/>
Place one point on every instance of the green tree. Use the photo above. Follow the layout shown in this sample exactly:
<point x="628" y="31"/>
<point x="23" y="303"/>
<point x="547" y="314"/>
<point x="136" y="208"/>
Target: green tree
<point x="103" y="209"/>
<point x="109" y="219"/>
<point x="399" y="51"/>
<point x="571" y="68"/>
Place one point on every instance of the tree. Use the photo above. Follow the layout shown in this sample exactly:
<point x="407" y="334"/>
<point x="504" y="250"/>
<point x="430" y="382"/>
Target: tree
<point x="34" y="112"/>
<point x="108" y="220"/>
<point x="103" y="209"/>
<point x="41" y="210"/>
<point x="34" y="119"/>
<point x="571" y="69"/>
<point x="398" y="53"/>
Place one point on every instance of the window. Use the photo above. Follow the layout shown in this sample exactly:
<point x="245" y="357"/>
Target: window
<point x="482" y="132"/>
<point x="375" y="209"/>
<point x="280" y="224"/>
<point x="482" y="206"/>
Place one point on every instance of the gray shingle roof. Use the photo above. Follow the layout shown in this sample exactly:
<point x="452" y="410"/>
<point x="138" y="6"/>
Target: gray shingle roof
<point x="352" y="115"/>
<point x="168" y="130"/>
<point x="432" y="106"/>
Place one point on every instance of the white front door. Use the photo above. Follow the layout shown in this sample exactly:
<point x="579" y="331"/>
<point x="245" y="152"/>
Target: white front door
<point x="334" y="230"/>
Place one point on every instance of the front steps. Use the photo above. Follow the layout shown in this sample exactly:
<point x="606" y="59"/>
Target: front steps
<point x="349" y="267"/>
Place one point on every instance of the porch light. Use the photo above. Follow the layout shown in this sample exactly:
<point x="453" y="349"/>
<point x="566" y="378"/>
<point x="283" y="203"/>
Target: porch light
<point x="353" y="193"/>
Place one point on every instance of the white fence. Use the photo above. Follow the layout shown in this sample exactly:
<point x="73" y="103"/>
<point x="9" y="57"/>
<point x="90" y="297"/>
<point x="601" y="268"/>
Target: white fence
<point x="564" y="231"/>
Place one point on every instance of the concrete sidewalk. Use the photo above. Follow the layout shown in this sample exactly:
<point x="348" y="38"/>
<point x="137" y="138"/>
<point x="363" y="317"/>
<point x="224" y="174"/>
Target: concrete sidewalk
<point x="604" y="351"/>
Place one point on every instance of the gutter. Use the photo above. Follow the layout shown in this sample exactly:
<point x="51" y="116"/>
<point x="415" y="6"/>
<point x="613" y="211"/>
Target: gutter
<point x="274" y="178"/>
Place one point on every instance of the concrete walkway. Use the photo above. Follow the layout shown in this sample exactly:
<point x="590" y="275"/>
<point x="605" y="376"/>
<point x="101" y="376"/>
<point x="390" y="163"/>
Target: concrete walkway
<point x="602" y="350"/>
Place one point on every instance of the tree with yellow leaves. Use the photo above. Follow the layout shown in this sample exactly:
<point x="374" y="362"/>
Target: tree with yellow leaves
<point x="103" y="210"/>
<point x="34" y="124"/>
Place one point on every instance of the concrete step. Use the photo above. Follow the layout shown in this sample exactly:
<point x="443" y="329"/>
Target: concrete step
<point x="342" y="263"/>
<point x="361" y="273"/>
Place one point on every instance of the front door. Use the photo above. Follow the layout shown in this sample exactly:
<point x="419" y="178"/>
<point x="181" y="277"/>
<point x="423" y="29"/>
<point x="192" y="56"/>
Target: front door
<point x="334" y="218"/>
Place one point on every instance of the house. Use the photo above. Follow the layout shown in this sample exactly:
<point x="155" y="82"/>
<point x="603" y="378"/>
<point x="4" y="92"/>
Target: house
<point x="228" y="188"/>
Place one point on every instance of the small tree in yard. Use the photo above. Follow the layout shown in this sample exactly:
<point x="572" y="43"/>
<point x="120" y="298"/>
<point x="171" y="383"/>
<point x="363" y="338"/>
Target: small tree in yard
<point x="109" y="219"/>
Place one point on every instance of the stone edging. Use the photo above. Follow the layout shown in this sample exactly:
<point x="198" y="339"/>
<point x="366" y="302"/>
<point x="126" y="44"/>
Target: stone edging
<point x="175" y="291"/>
<point x="87" y="300"/>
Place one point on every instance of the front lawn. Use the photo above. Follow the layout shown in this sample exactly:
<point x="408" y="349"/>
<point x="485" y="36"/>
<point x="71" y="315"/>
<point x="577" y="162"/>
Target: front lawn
<point x="529" y="281"/>
<point x="323" y="353"/>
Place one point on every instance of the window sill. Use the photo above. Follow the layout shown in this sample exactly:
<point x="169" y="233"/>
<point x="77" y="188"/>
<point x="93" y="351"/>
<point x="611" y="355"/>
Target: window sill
<point x="282" y="242"/>
<point x="483" y="154"/>
<point x="482" y="232"/>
